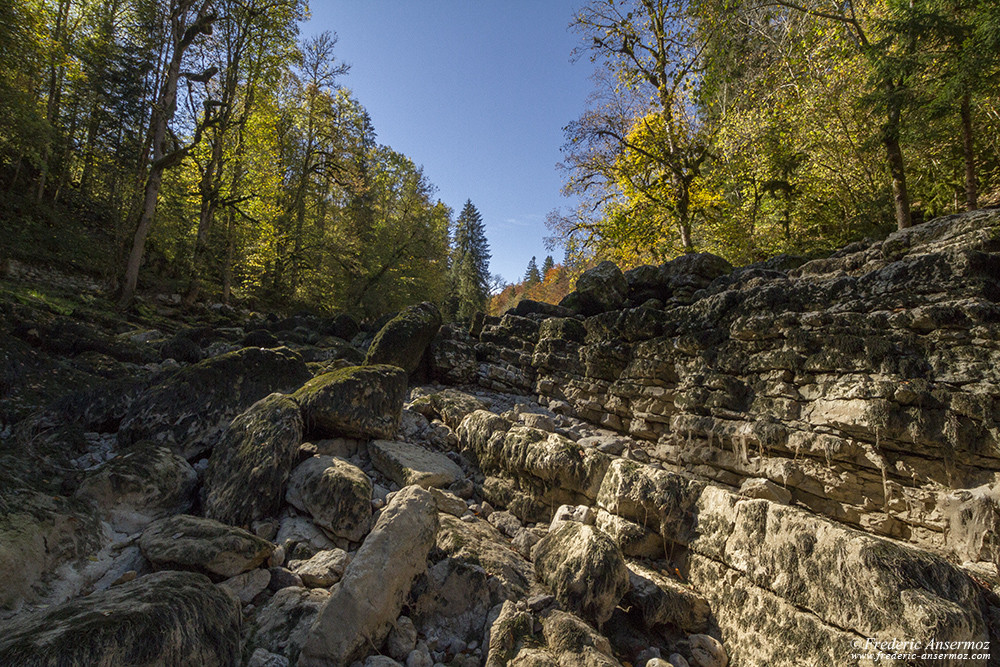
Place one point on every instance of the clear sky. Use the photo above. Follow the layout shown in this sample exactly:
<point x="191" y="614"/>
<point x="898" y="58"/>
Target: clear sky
<point x="476" y="91"/>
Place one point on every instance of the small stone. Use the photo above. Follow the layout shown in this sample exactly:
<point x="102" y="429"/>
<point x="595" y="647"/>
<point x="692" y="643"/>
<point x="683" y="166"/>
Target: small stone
<point x="505" y="522"/>
<point x="419" y="657"/>
<point x="707" y="651"/>
<point x="678" y="660"/>
<point x="277" y="558"/>
<point x="463" y="488"/>
<point x="248" y="585"/>
<point x="323" y="570"/>
<point x="267" y="530"/>
<point x="647" y="654"/>
<point x="655" y="662"/>
<point x="379" y="661"/>
<point x="540" y="601"/>
<point x="283" y="578"/>
<point x="402" y="638"/>
<point x="758" y="487"/>
<point x="264" y="658"/>
<point x="448" y="502"/>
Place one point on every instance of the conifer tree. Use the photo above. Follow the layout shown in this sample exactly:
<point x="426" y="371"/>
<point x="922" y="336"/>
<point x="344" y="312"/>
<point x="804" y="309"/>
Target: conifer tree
<point x="531" y="276"/>
<point x="470" y="263"/>
<point x="547" y="265"/>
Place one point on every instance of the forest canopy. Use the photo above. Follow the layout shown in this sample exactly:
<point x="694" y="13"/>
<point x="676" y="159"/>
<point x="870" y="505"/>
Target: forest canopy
<point x="749" y="128"/>
<point x="204" y="142"/>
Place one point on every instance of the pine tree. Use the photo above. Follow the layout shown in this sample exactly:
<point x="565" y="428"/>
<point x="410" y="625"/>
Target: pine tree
<point x="470" y="263"/>
<point x="531" y="276"/>
<point x="547" y="266"/>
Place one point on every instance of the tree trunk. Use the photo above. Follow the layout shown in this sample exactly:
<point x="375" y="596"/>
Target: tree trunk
<point x="968" y="153"/>
<point x="894" y="156"/>
<point x="209" y="189"/>
<point x="163" y="112"/>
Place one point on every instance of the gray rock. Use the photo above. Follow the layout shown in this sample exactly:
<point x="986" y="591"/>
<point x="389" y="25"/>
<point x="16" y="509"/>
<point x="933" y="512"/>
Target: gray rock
<point x="164" y="618"/>
<point x="302" y="537"/>
<point x="403" y="339"/>
<point x="189" y="410"/>
<point x="660" y="600"/>
<point x="368" y="599"/>
<point x="707" y="651"/>
<point x="248" y="585"/>
<point x="257" y="451"/>
<point x="506" y="523"/>
<point x="381" y="661"/>
<point x="282" y="624"/>
<point x="407" y="464"/>
<point x="402" y="638"/>
<point x="764" y="488"/>
<point x="282" y="577"/>
<point x="322" y="570"/>
<point x="134" y="489"/>
<point x="598" y="290"/>
<point x="578" y="513"/>
<point x="264" y="658"/>
<point x="448" y="502"/>
<point x="678" y="660"/>
<point x="355" y="402"/>
<point x="190" y="542"/>
<point x="584" y="568"/>
<point x="335" y="493"/>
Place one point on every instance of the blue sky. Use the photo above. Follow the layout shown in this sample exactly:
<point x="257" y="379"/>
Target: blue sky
<point x="476" y="91"/>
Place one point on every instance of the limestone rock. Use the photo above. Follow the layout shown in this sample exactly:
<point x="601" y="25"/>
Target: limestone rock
<point x="451" y="405"/>
<point x="248" y="585"/>
<point x="599" y="289"/>
<point x="189" y="410"/>
<point x="402" y="341"/>
<point x="402" y="638"/>
<point x="335" y="493"/>
<point x="479" y="543"/>
<point x="147" y="483"/>
<point x="191" y="542"/>
<point x="707" y="651"/>
<point x="355" y="402"/>
<point x="264" y="658"/>
<point x="40" y="533"/>
<point x="302" y="538"/>
<point x="257" y="452"/>
<point x="322" y="570"/>
<point x="381" y="661"/>
<point x="407" y="464"/>
<point x="370" y="596"/>
<point x="281" y="625"/>
<point x="661" y="600"/>
<point x="164" y="618"/>
<point x="584" y="568"/>
<point x="764" y="488"/>
<point x="578" y="513"/>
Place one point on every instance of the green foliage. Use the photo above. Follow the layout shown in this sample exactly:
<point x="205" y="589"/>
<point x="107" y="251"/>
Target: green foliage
<point x="531" y="275"/>
<point x="470" y="264"/>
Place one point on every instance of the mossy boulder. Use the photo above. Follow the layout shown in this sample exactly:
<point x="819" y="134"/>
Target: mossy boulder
<point x="584" y="568"/>
<point x="140" y="486"/>
<point x="189" y="410"/>
<point x="166" y="618"/>
<point x="187" y="542"/>
<point x="335" y="493"/>
<point x="354" y="402"/>
<point x="38" y="534"/>
<point x="403" y="339"/>
<point x="256" y="453"/>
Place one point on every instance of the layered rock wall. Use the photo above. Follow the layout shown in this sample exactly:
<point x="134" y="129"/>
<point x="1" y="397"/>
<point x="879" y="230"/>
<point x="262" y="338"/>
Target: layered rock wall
<point x="866" y="384"/>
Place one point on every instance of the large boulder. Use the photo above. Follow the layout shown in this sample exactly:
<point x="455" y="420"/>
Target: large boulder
<point x="189" y="410"/>
<point x="362" y="608"/>
<point x="195" y="543"/>
<point x="354" y="402"/>
<point x="598" y="290"/>
<point x="335" y="493"/>
<point x="142" y="485"/>
<point x="39" y="533"/>
<point x="167" y="618"/>
<point x="282" y="624"/>
<point x="584" y="568"/>
<point x="406" y="464"/>
<point x="257" y="452"/>
<point x="402" y="341"/>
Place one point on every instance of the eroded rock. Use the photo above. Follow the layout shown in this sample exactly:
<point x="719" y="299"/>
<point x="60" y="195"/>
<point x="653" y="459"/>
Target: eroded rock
<point x="191" y="542"/>
<point x="335" y="493"/>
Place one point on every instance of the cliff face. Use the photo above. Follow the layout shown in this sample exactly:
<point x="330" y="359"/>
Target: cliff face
<point x="864" y="387"/>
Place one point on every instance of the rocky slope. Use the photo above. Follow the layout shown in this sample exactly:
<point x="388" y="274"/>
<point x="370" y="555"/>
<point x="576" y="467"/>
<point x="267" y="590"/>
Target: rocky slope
<point x="784" y="464"/>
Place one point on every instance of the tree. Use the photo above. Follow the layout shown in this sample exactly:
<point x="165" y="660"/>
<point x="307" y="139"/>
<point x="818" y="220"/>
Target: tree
<point x="189" y="19"/>
<point x="470" y="263"/>
<point x="640" y="149"/>
<point x="547" y="265"/>
<point x="532" y="276"/>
